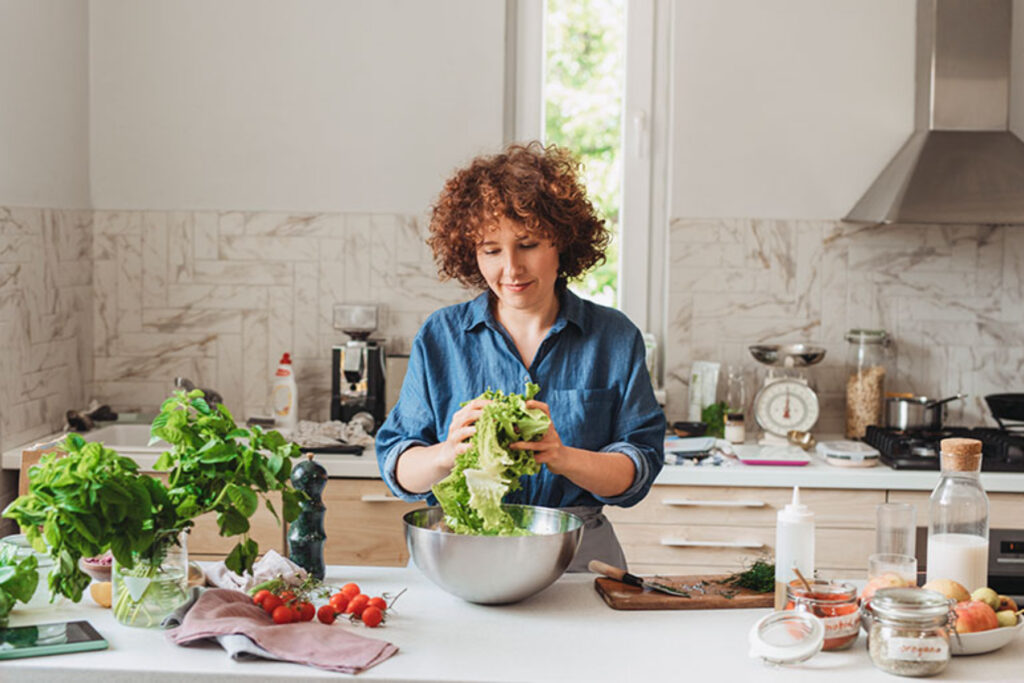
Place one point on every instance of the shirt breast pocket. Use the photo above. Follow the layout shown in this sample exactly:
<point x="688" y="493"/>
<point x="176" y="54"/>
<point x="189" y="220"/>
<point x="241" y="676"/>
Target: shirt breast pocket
<point x="584" y="418"/>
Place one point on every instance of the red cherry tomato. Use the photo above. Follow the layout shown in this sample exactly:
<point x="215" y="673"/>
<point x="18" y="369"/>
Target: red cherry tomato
<point x="372" y="616"/>
<point x="287" y="597"/>
<point x="357" y="604"/>
<point x="306" y="611"/>
<point x="379" y="603"/>
<point x="339" y="601"/>
<point x="326" y="614"/>
<point x="283" y="614"/>
<point x="260" y="596"/>
<point x="351" y="589"/>
<point x="271" y="603"/>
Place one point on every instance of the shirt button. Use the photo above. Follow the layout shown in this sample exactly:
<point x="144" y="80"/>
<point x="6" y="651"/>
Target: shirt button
<point x="526" y="378"/>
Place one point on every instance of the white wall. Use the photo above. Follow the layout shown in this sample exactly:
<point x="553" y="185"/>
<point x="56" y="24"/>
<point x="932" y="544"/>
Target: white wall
<point x="310" y="105"/>
<point x="787" y="108"/>
<point x="44" y="96"/>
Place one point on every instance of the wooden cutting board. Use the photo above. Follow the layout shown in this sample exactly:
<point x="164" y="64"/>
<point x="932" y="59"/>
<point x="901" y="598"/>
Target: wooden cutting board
<point x="705" y="593"/>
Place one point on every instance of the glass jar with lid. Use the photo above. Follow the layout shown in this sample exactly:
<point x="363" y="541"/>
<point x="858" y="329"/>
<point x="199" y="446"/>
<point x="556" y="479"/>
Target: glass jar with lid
<point x="909" y="631"/>
<point x="835" y="603"/>
<point x="958" y="517"/>
<point x="867" y="361"/>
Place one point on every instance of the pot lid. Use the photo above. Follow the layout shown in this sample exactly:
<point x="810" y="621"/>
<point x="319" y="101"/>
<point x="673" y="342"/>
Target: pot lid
<point x="787" y="637"/>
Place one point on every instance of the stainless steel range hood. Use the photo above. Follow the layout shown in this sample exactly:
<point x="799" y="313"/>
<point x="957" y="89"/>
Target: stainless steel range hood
<point x="961" y="164"/>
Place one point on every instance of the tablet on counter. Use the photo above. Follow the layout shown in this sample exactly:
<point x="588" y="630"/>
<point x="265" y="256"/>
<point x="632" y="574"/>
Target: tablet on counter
<point x="49" y="639"/>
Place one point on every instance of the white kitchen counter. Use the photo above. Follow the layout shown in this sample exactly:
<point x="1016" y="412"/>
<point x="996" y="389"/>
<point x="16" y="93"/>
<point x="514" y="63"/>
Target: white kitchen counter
<point x="565" y="633"/>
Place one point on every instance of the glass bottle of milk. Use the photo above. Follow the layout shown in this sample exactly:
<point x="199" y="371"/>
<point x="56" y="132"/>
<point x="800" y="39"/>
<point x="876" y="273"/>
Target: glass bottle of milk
<point x="958" y="518"/>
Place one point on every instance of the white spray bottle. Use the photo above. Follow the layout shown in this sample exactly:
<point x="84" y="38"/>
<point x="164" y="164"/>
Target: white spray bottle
<point x="794" y="546"/>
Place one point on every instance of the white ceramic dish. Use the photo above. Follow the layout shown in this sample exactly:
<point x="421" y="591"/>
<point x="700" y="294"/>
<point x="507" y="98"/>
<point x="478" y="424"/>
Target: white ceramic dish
<point x="984" y="641"/>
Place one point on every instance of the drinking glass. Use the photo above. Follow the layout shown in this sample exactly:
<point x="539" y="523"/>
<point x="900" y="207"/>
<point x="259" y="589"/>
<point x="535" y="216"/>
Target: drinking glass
<point x="896" y="529"/>
<point x="904" y="566"/>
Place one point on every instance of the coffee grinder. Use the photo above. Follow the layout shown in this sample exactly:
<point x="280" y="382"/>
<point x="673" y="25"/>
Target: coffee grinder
<point x="357" y="368"/>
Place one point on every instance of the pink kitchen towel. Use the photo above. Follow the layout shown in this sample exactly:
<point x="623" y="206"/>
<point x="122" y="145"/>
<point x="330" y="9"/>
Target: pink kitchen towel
<point x="220" y="612"/>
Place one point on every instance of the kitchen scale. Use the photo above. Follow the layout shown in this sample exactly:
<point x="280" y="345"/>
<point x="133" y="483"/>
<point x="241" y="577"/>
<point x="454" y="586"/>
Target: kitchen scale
<point x="785" y="402"/>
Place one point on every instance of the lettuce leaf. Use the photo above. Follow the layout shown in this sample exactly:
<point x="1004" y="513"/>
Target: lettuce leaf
<point x="471" y="495"/>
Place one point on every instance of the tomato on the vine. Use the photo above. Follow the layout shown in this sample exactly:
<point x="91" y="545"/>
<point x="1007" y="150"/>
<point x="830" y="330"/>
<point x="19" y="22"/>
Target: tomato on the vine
<point x="261" y="596"/>
<point x="306" y="611"/>
<point x="326" y="614"/>
<point x="283" y="614"/>
<point x="379" y="603"/>
<point x="272" y="602"/>
<point x="351" y="589"/>
<point x="339" y="601"/>
<point x="357" y="604"/>
<point x="372" y="616"/>
<point x="287" y="597"/>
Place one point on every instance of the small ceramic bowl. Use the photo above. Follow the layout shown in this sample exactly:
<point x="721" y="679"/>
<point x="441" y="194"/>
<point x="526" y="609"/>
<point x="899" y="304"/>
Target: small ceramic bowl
<point x="984" y="641"/>
<point x="97" y="567"/>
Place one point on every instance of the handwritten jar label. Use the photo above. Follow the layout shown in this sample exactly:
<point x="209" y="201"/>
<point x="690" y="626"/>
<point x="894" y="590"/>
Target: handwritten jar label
<point x="845" y="625"/>
<point x="932" y="649"/>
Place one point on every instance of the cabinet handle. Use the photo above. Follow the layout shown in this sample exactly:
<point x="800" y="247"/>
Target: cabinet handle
<point x="380" y="498"/>
<point x="683" y="543"/>
<point x="1009" y="560"/>
<point x="714" y="503"/>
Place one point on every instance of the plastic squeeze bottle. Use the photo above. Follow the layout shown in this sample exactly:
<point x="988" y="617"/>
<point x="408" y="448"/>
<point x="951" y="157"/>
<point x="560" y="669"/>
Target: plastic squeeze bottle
<point x="284" y="396"/>
<point x="794" y="546"/>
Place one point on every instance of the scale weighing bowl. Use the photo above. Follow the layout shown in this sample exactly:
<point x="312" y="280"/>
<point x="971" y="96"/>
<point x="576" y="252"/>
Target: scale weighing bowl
<point x="787" y="355"/>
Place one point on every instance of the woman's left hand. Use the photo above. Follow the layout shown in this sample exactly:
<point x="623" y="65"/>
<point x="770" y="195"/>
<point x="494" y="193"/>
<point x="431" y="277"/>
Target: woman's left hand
<point x="549" y="450"/>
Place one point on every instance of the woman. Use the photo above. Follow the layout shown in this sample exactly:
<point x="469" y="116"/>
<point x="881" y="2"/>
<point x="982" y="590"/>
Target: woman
<point x="518" y="225"/>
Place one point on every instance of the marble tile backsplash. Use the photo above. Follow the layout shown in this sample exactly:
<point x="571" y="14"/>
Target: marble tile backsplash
<point x="45" y="319"/>
<point x="114" y="304"/>
<point x="217" y="297"/>
<point x="952" y="297"/>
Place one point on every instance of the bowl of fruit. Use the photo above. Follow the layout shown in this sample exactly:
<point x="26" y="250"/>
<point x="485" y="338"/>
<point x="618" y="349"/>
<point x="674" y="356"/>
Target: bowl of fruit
<point x="985" y="622"/>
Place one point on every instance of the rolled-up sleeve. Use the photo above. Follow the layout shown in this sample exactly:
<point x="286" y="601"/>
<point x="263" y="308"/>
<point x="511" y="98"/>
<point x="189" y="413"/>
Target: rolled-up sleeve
<point x="639" y="429"/>
<point x="410" y="423"/>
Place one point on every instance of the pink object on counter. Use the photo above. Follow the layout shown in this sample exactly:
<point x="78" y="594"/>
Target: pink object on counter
<point x="220" y="612"/>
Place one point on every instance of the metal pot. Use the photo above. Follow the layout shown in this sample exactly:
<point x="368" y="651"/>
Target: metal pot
<point x="916" y="412"/>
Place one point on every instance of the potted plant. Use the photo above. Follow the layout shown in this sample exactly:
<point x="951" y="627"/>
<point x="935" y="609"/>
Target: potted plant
<point x="87" y="499"/>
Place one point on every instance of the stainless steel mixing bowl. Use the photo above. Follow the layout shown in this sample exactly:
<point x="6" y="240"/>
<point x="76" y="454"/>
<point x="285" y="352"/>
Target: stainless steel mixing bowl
<point x="494" y="570"/>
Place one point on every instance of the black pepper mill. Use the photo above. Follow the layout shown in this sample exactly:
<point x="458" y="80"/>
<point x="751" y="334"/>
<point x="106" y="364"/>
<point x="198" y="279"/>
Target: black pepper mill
<point x="306" y="534"/>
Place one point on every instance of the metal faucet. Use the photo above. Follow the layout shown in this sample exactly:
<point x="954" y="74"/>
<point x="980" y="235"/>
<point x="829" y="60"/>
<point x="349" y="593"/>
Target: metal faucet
<point x="185" y="383"/>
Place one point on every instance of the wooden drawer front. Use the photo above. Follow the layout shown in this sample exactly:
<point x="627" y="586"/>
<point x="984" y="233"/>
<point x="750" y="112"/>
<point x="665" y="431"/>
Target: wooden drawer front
<point x="1005" y="511"/>
<point x="741" y="506"/>
<point x="364" y="524"/>
<point x="726" y="546"/>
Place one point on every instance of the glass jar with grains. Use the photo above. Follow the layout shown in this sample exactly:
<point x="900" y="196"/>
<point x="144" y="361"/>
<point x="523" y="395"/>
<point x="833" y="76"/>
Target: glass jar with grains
<point x="909" y="633"/>
<point x="867" y="361"/>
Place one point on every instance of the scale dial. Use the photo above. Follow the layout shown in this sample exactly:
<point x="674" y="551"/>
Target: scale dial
<point x="786" y="404"/>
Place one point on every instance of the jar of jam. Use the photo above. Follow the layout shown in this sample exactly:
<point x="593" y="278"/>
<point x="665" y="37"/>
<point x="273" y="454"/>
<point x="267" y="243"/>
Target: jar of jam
<point x="835" y="603"/>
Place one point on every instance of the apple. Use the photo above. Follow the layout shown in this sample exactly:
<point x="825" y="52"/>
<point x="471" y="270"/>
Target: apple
<point x="887" y="580"/>
<point x="987" y="596"/>
<point x="1006" y="618"/>
<point x="950" y="588"/>
<point x="1006" y="603"/>
<point x="973" y="616"/>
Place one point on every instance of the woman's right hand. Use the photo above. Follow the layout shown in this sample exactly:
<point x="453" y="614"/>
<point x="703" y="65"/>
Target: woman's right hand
<point x="461" y="428"/>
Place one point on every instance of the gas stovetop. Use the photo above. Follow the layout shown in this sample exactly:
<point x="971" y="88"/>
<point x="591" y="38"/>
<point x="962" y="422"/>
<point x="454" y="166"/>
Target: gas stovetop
<point x="1002" y="451"/>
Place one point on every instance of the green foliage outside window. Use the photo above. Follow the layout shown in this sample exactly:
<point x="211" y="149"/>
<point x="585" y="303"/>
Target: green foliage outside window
<point x="584" y="82"/>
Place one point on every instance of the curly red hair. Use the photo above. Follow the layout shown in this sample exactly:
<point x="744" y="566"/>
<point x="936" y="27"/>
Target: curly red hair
<point x="536" y="186"/>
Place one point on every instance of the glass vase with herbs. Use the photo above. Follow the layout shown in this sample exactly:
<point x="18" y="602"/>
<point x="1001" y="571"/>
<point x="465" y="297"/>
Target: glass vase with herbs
<point x="86" y="499"/>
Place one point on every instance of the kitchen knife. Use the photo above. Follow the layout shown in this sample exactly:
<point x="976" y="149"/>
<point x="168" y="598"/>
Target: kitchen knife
<point x="599" y="567"/>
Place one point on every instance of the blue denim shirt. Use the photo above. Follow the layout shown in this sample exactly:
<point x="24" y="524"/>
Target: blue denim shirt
<point x="591" y="372"/>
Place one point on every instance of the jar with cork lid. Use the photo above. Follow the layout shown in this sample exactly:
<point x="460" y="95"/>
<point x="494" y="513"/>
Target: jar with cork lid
<point x="867" y="361"/>
<point x="958" y="517"/>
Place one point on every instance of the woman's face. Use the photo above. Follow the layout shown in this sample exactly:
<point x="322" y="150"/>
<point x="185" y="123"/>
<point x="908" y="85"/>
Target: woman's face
<point x="520" y="268"/>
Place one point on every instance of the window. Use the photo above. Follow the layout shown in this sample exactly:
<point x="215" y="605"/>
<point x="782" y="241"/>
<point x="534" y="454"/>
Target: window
<point x="581" y="74"/>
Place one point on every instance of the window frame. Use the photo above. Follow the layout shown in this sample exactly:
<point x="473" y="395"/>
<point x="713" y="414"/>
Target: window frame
<point x="645" y="144"/>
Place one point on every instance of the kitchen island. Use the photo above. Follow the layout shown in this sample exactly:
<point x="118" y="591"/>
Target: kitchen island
<point x="565" y="633"/>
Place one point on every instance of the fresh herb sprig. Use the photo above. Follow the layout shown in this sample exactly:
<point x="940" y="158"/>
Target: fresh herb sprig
<point x="18" y="581"/>
<point x="714" y="417"/>
<point x="215" y="466"/>
<point x="759" y="577"/>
